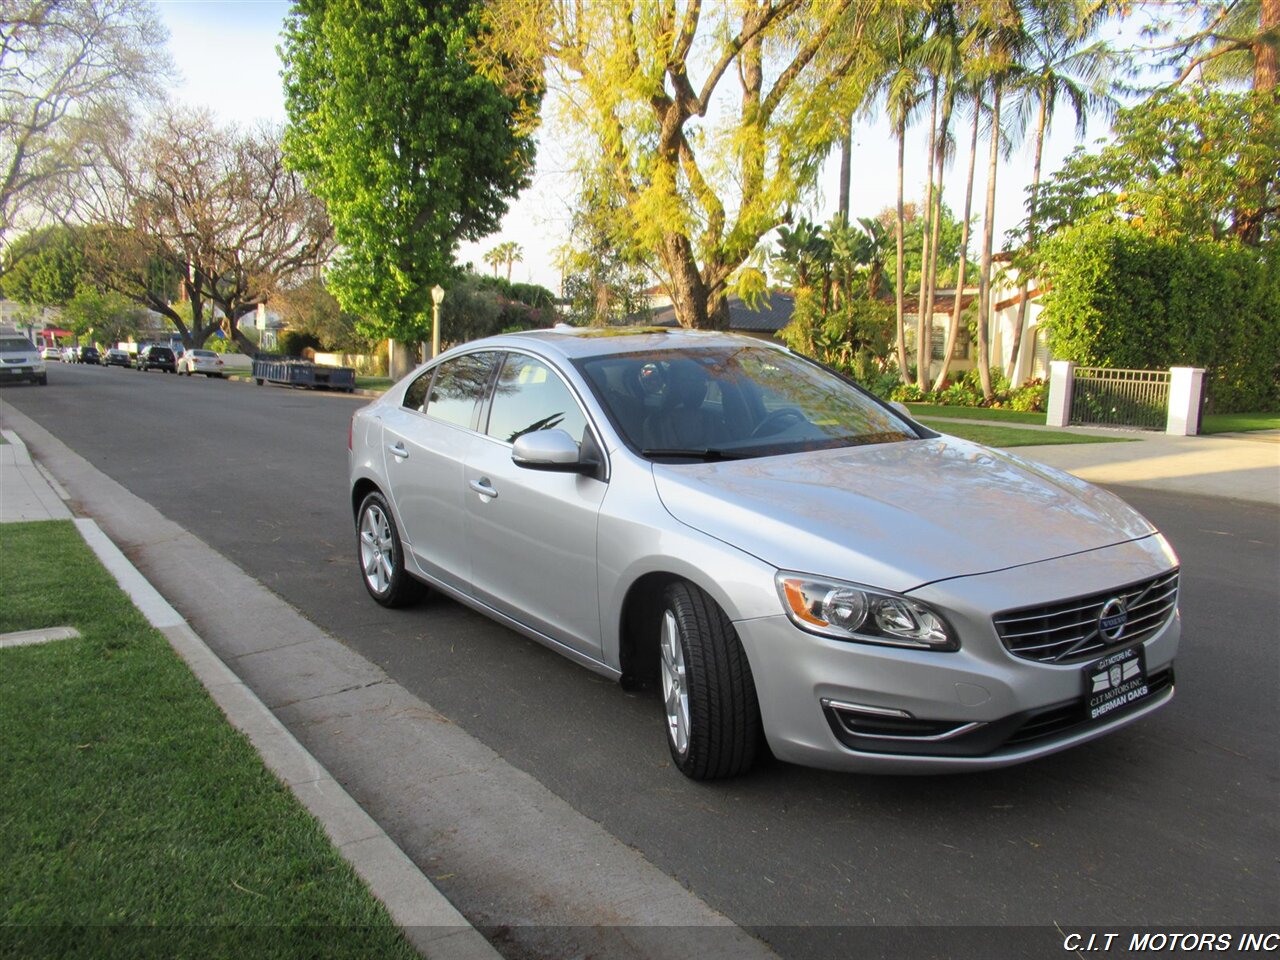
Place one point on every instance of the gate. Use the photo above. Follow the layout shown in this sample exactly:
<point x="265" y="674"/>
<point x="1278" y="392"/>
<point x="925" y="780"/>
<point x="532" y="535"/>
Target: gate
<point x="1120" y="398"/>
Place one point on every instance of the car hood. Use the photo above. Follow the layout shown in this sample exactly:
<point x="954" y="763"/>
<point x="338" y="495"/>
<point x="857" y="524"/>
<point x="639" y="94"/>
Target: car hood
<point x="897" y="515"/>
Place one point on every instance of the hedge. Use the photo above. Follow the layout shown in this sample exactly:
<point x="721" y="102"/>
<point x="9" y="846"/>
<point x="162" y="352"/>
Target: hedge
<point x="1120" y="298"/>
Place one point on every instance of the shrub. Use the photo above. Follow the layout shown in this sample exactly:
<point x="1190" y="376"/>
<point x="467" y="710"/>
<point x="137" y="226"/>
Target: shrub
<point x="1031" y="397"/>
<point x="908" y="393"/>
<point x="291" y="343"/>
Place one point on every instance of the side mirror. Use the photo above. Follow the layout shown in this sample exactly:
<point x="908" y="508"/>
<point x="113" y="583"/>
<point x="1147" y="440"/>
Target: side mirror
<point x="900" y="407"/>
<point x="549" y="450"/>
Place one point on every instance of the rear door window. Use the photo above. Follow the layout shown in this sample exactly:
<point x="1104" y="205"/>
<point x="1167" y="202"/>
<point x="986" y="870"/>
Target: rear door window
<point x="459" y="387"/>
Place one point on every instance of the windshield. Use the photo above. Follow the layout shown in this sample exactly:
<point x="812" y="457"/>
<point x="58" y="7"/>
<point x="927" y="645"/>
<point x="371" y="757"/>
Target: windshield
<point x="15" y="344"/>
<point x="732" y="402"/>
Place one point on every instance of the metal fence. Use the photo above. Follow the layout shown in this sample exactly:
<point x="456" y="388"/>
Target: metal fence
<point x="1129" y="398"/>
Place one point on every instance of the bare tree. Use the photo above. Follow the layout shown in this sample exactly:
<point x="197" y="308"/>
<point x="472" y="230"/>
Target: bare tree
<point x="211" y="209"/>
<point x="67" y="67"/>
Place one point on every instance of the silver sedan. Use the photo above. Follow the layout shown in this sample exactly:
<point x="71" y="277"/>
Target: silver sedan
<point x="789" y="560"/>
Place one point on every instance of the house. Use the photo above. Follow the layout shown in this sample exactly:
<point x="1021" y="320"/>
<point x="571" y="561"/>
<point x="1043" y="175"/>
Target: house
<point x="1033" y="352"/>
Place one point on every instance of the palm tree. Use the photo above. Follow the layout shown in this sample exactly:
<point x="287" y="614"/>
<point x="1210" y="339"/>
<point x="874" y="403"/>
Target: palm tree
<point x="494" y="257"/>
<point x="1003" y="40"/>
<point x="1059" y="63"/>
<point x="512" y="253"/>
<point x="953" y="328"/>
<point x="944" y="52"/>
<point x="903" y="89"/>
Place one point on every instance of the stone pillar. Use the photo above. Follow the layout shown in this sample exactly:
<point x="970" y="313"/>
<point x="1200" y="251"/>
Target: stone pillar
<point x="400" y="359"/>
<point x="1061" y="380"/>
<point x="1186" y="385"/>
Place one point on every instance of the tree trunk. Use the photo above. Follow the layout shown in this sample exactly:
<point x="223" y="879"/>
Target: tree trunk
<point x="1266" y="66"/>
<point x="923" y="321"/>
<point x="988" y="232"/>
<point x="953" y="329"/>
<point x="901" y="271"/>
<point x="846" y="167"/>
<point x="685" y="285"/>
<point x="1024" y="283"/>
<point x="930" y="265"/>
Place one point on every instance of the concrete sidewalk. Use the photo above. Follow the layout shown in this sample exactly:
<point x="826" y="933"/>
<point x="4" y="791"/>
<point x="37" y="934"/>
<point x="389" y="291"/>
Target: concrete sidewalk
<point x="1238" y="466"/>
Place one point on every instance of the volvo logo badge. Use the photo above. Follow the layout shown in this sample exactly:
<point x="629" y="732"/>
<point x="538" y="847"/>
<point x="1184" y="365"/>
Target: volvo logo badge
<point x="1112" y="619"/>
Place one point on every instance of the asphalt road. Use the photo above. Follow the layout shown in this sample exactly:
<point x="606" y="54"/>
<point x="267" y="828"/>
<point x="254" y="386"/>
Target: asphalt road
<point x="1170" y="822"/>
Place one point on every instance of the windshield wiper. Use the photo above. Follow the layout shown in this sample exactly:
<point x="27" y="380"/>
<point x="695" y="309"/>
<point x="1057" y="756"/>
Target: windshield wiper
<point x="692" y="453"/>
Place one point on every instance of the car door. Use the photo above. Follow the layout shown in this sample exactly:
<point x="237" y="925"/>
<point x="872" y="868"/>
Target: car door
<point x="425" y="444"/>
<point x="532" y="533"/>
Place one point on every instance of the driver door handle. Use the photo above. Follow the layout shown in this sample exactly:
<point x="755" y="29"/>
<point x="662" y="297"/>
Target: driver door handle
<point x="398" y="450"/>
<point x="483" y="487"/>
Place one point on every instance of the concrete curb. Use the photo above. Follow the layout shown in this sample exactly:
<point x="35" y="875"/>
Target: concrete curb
<point x="426" y="918"/>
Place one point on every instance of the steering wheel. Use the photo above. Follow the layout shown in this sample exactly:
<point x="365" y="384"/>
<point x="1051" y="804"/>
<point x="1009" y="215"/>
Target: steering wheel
<point x="777" y="421"/>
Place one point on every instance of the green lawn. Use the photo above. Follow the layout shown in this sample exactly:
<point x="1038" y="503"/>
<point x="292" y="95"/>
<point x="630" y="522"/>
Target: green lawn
<point x="374" y="383"/>
<point x="1000" y="436"/>
<point x="134" y="821"/>
<point x="974" y="413"/>
<point x="1233" y="422"/>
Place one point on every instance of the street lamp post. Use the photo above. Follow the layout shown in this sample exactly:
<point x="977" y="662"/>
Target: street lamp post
<point x="437" y="297"/>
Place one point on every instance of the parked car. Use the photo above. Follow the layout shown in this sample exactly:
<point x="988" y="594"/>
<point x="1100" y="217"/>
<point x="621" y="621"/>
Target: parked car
<point x="200" y="361"/>
<point x="156" y="357"/>
<point x="116" y="357"/>
<point x="90" y="354"/>
<point x="20" y="360"/>
<point x="50" y="353"/>
<point x="775" y="548"/>
<point x="70" y="354"/>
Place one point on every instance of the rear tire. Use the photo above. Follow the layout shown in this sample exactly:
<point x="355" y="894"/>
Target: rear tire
<point x="381" y="557"/>
<point x="710" y="705"/>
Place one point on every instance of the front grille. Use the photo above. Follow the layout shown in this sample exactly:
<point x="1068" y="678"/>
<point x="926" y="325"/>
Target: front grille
<point x="1068" y="631"/>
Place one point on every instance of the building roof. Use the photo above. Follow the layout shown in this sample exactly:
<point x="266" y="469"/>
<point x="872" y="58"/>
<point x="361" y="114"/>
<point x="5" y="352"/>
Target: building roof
<point x="774" y="314"/>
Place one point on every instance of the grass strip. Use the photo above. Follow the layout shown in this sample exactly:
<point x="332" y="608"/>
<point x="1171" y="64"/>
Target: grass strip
<point x="1239" y="422"/>
<point x="1000" y="436"/>
<point x="374" y="383"/>
<point x="975" y="413"/>
<point x="134" y="820"/>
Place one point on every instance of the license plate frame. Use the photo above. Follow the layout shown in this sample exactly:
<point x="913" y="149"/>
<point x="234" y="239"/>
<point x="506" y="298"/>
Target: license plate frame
<point x="1114" y="682"/>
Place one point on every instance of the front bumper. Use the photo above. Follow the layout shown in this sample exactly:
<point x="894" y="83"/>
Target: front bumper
<point x="30" y="372"/>
<point x="853" y="706"/>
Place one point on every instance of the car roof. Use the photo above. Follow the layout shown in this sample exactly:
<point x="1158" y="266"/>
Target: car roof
<point x="576" y="342"/>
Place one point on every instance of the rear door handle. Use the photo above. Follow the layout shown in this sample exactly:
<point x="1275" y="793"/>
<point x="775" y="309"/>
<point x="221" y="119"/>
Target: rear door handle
<point x="397" y="450"/>
<point x="484" y="487"/>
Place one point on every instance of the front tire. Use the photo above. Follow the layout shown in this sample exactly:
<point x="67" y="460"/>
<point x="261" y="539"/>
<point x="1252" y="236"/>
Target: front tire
<point x="709" y="695"/>
<point x="381" y="557"/>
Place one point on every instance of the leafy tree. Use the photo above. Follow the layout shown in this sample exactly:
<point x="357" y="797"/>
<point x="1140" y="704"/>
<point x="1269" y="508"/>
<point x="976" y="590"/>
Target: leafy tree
<point x="410" y="148"/>
<point x="703" y="172"/>
<point x="311" y="309"/>
<point x="604" y="280"/>
<point x="209" y="209"/>
<point x="835" y="272"/>
<point x="67" y="68"/>
<point x="107" y="316"/>
<point x="44" y="267"/>
<point x="1193" y="164"/>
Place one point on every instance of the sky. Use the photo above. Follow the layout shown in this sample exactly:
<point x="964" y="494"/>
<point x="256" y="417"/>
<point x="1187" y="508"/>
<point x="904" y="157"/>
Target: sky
<point x="225" y="53"/>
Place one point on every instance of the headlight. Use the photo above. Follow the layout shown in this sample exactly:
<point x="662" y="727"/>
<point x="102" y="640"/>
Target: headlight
<point x="850" y="611"/>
